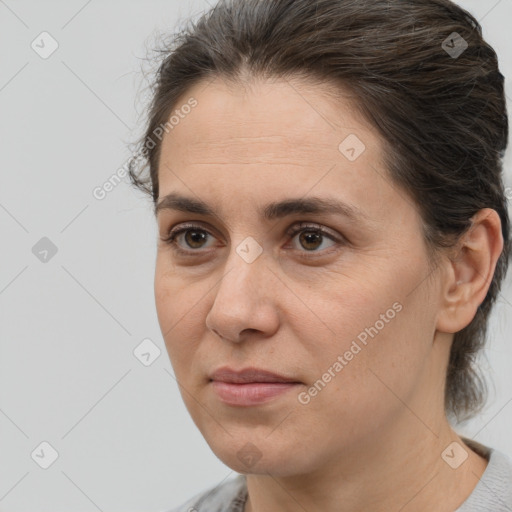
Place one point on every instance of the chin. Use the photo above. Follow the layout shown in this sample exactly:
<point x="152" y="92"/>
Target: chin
<point x="252" y="455"/>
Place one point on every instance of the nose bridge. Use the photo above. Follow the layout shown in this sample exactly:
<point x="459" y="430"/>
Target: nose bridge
<point x="243" y="293"/>
<point x="245" y="269"/>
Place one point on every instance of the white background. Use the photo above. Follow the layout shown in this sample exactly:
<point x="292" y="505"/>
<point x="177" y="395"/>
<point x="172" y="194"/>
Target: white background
<point x="69" y="326"/>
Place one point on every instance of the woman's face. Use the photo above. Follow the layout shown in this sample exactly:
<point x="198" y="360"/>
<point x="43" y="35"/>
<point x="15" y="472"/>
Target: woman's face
<point x="344" y="307"/>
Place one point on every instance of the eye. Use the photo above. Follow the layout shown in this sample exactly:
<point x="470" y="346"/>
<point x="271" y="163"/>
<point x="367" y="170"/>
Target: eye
<point x="193" y="236"/>
<point x="189" y="239"/>
<point x="312" y="237"/>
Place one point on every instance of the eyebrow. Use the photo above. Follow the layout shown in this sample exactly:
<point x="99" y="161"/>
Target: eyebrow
<point x="275" y="210"/>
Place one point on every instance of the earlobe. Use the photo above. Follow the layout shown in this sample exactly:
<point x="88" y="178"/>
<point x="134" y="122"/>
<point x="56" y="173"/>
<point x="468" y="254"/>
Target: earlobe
<point x="469" y="274"/>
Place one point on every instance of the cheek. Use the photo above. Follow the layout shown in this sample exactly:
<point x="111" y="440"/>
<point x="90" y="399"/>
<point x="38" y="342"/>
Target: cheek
<point x="381" y="332"/>
<point x="174" y="296"/>
<point x="369" y="385"/>
<point x="355" y="308"/>
<point x="177" y="308"/>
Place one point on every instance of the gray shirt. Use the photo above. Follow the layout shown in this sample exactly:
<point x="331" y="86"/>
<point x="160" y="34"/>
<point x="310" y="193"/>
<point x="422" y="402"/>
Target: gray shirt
<point x="493" y="493"/>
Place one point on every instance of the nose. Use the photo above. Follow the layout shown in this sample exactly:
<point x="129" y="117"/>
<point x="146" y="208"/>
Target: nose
<point x="245" y="301"/>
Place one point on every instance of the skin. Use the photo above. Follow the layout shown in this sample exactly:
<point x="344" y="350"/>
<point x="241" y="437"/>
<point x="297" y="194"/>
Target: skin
<point x="372" y="439"/>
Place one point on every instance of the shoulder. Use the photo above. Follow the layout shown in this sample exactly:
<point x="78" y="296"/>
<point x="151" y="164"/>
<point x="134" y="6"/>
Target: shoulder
<point x="228" y="496"/>
<point x="494" y="490"/>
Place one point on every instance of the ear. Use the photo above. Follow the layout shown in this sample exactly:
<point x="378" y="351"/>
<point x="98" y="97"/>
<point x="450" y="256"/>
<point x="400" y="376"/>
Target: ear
<point x="469" y="274"/>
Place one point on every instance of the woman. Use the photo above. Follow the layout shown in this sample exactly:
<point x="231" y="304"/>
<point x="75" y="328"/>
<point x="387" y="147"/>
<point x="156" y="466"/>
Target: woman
<point x="326" y="179"/>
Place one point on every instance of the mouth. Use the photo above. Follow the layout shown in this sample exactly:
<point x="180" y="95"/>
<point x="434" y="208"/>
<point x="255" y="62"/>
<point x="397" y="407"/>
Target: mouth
<point x="250" y="386"/>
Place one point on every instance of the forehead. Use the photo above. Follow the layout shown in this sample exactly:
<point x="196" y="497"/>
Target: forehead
<point x="269" y="116"/>
<point x="274" y="139"/>
<point x="270" y="122"/>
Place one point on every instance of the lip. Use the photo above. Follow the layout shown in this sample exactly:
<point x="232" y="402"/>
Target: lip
<point x="249" y="386"/>
<point x="248" y="375"/>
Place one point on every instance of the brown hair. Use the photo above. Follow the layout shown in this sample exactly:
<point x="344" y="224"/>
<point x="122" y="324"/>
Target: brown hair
<point x="440" y="106"/>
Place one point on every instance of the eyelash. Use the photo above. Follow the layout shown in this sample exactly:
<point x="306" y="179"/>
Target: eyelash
<point x="292" y="232"/>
